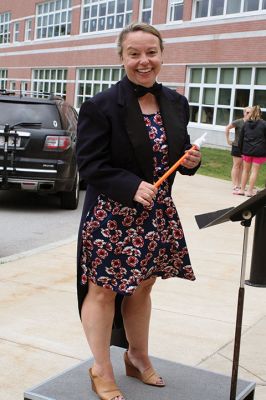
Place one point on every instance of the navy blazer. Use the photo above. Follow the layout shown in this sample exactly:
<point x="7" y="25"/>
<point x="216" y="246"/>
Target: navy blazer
<point x="114" y="152"/>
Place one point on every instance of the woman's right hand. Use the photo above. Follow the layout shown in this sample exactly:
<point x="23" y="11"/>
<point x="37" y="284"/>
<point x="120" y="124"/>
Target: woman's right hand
<point x="145" y="193"/>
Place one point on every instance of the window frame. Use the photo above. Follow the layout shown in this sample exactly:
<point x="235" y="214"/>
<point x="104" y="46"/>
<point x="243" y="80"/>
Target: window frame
<point x="5" y="22"/>
<point x="28" y="30"/>
<point x="126" y="15"/>
<point x="43" y="78"/>
<point x="147" y="9"/>
<point x="225" y="14"/>
<point x="234" y="109"/>
<point x="3" y="78"/>
<point x="49" y="22"/>
<point x="172" y="3"/>
<point x="102" y="83"/>
<point x="16" y="27"/>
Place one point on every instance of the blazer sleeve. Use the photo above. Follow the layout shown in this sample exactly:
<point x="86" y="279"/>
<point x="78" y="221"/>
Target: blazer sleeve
<point x="94" y="157"/>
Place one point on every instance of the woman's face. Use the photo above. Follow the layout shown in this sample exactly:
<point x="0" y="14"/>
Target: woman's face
<point x="142" y="57"/>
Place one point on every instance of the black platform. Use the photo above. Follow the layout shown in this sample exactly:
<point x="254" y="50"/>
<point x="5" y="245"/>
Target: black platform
<point x="182" y="383"/>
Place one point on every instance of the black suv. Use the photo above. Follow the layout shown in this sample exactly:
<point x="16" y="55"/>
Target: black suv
<point x="37" y="146"/>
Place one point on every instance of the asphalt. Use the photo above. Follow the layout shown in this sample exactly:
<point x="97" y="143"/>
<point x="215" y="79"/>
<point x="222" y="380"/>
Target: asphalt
<point x="192" y="323"/>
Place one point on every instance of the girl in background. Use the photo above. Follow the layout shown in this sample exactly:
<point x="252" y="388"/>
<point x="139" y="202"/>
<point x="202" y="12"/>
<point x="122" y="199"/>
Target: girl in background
<point x="252" y="144"/>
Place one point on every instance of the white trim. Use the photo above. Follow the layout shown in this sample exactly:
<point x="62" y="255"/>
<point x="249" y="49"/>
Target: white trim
<point x="184" y="39"/>
<point x="217" y="36"/>
<point x="60" y="49"/>
<point x="216" y="64"/>
<point x="210" y="21"/>
<point x="22" y="18"/>
<point x="168" y="26"/>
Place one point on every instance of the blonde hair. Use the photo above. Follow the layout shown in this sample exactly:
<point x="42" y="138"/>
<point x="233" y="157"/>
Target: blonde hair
<point x="256" y="113"/>
<point x="135" y="27"/>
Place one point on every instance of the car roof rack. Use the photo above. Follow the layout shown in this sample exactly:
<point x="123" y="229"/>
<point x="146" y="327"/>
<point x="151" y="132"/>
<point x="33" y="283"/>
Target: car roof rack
<point x="31" y="93"/>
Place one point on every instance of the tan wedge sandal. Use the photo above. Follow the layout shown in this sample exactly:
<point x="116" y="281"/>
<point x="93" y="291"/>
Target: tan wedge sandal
<point x="105" y="390"/>
<point x="149" y="376"/>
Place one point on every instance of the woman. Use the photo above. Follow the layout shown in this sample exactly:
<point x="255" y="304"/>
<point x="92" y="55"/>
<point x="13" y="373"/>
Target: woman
<point x="130" y="231"/>
<point x="236" y="171"/>
<point x="252" y="144"/>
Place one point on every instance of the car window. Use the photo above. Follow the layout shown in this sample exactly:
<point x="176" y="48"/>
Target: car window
<point x="69" y="118"/>
<point x="13" y="112"/>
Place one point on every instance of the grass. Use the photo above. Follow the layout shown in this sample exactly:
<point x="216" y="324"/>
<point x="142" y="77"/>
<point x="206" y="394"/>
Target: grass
<point x="218" y="163"/>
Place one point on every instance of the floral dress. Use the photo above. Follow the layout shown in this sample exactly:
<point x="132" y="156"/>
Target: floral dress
<point x="122" y="246"/>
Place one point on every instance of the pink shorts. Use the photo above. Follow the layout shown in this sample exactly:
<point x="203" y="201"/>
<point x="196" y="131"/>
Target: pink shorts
<point x="256" y="160"/>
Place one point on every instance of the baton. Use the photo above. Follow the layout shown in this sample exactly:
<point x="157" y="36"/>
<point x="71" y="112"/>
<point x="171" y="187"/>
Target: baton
<point x="198" y="143"/>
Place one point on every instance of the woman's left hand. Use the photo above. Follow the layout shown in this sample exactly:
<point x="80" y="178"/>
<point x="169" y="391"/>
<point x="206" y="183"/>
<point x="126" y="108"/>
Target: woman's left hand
<point x="192" y="159"/>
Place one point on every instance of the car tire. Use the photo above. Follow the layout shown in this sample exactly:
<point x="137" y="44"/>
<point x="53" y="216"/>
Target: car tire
<point x="70" y="200"/>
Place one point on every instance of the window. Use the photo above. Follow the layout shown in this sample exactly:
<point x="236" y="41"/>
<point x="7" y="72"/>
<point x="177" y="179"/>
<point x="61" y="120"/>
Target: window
<point x="90" y="81"/>
<point x="146" y="11"/>
<point x="53" y="19"/>
<point x="217" y="7"/>
<point x="210" y="8"/>
<point x="5" y="28"/>
<point x="28" y="30"/>
<point x="3" y="79"/>
<point x="12" y="86"/>
<point x="16" y="32"/>
<point x="202" y="8"/>
<point x="251" y="5"/>
<point x="218" y="95"/>
<point x="23" y="87"/>
<point x="100" y="15"/>
<point x="49" y="81"/>
<point x="176" y="10"/>
<point x="233" y="7"/>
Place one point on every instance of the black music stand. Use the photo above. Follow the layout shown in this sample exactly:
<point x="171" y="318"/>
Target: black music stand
<point x="244" y="213"/>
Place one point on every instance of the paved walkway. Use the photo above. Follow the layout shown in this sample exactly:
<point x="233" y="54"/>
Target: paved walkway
<point x="192" y="322"/>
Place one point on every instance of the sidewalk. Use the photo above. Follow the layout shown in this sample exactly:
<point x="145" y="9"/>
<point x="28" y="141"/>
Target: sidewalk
<point x="192" y="322"/>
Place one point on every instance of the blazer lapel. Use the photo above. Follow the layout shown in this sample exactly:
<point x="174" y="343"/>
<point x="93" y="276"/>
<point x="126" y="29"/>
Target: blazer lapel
<point x="136" y="130"/>
<point x="173" y="120"/>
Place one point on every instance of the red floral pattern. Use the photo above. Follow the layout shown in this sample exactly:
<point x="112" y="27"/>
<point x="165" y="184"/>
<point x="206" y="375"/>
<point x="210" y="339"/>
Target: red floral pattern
<point x="122" y="246"/>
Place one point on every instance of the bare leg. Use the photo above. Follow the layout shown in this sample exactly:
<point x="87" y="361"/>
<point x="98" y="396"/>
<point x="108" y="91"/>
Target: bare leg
<point x="97" y="317"/>
<point x="253" y="177"/>
<point x="245" y="175"/>
<point x="236" y="171"/>
<point x="136" y="311"/>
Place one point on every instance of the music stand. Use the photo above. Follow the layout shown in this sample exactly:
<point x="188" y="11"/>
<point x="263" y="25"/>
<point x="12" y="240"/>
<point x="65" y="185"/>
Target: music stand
<point x="243" y="213"/>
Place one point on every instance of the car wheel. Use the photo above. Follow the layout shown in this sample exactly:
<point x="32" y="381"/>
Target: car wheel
<point x="70" y="200"/>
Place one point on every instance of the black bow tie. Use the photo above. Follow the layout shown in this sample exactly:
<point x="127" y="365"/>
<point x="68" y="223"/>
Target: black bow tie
<point x="155" y="89"/>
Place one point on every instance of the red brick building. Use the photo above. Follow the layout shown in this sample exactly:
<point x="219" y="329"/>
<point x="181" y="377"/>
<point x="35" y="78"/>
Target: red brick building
<point x="214" y="51"/>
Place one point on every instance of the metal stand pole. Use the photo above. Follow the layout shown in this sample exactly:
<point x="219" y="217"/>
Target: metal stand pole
<point x="241" y="295"/>
<point x="258" y="263"/>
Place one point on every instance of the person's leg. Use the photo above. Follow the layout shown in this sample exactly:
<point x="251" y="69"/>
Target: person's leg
<point x="97" y="317"/>
<point x="236" y="172"/>
<point x="136" y="310"/>
<point x="245" y="175"/>
<point x="253" y="177"/>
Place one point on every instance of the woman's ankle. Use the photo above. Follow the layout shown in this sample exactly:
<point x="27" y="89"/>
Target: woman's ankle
<point x="104" y="371"/>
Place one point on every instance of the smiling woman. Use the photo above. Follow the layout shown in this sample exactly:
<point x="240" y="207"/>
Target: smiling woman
<point x="141" y="55"/>
<point x="130" y="234"/>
